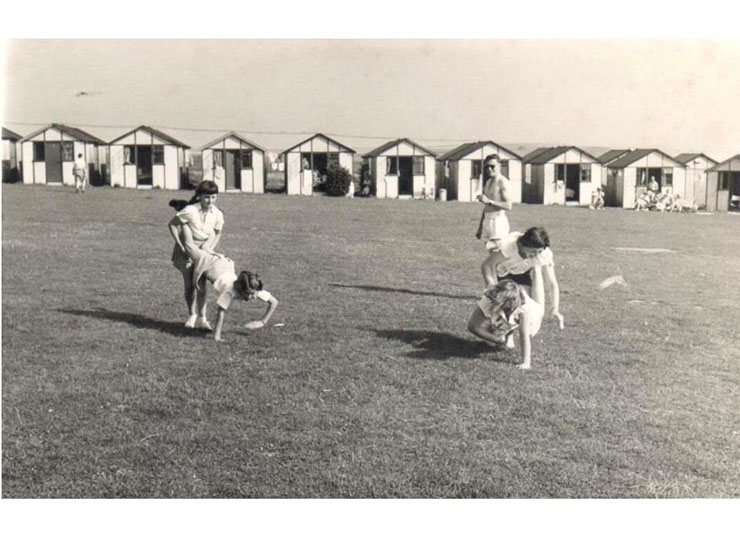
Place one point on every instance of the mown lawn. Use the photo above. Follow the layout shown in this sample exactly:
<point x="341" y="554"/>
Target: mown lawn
<point x="373" y="387"/>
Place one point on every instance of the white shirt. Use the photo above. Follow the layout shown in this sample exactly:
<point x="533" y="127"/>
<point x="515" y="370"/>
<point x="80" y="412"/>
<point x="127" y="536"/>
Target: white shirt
<point x="535" y="312"/>
<point x="204" y="223"/>
<point x="80" y="164"/>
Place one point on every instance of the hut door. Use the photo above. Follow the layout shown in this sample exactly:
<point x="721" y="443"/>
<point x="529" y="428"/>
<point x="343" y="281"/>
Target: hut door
<point x="232" y="167"/>
<point x="573" y="182"/>
<point x="405" y="175"/>
<point x="53" y="162"/>
<point x="144" y="165"/>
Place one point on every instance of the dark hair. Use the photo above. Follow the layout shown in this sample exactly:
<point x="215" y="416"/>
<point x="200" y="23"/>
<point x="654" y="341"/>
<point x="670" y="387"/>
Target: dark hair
<point x="205" y="187"/>
<point x="535" y="238"/>
<point x="247" y="283"/>
<point x="491" y="157"/>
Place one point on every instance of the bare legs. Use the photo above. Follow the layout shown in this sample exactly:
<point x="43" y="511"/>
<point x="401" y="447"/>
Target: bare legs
<point x="195" y="298"/>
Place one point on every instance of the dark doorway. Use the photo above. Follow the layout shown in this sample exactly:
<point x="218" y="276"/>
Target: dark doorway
<point x="144" y="165"/>
<point x="405" y="175"/>
<point x="573" y="182"/>
<point x="233" y="170"/>
<point x="53" y="162"/>
<point x="657" y="173"/>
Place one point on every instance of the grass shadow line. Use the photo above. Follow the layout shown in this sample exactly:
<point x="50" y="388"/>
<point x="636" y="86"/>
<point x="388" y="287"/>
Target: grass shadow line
<point x="137" y="320"/>
<point x="402" y="290"/>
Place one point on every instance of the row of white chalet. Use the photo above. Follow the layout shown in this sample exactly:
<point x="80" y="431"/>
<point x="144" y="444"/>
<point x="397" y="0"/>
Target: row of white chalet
<point x="146" y="157"/>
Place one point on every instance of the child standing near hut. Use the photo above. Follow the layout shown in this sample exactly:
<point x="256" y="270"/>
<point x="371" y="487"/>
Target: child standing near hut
<point x="79" y="171"/>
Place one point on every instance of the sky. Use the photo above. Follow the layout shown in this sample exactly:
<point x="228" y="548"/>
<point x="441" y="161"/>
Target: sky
<point x="675" y="95"/>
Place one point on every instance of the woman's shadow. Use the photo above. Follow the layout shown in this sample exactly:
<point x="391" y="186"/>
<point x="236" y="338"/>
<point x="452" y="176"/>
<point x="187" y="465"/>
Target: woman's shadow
<point x="435" y="345"/>
<point x="136" y="320"/>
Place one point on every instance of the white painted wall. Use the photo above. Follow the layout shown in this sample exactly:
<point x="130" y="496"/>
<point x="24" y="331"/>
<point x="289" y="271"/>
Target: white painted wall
<point x="171" y="170"/>
<point x="293" y="173"/>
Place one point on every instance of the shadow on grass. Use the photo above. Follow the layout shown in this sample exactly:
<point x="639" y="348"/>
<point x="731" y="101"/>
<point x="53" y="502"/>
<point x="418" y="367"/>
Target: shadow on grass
<point x="401" y="290"/>
<point x="136" y="320"/>
<point x="436" y="345"/>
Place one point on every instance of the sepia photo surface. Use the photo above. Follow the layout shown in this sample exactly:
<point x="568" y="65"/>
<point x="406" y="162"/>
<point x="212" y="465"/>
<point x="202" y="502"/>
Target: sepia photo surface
<point x="368" y="199"/>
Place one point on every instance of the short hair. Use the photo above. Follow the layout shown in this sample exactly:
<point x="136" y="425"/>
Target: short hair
<point x="505" y="295"/>
<point x="490" y="157"/>
<point x="207" y="187"/>
<point x="535" y="238"/>
<point x="248" y="283"/>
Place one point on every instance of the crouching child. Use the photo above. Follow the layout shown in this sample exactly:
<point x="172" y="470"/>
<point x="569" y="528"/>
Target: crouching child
<point x="505" y="308"/>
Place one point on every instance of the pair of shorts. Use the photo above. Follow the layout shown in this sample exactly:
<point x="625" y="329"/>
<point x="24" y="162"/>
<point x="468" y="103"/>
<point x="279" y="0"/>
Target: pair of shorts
<point x="495" y="227"/>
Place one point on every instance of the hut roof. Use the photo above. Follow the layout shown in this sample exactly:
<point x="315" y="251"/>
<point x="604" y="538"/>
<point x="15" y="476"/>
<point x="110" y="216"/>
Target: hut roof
<point x="10" y="135"/>
<point x="534" y="154"/>
<point x="727" y="165"/>
<point x="382" y="148"/>
<point x="636" y="155"/>
<point x="236" y="136"/>
<point x="69" y="130"/>
<point x="466" y="148"/>
<point x="550" y="153"/>
<point x="322" y="136"/>
<point x="611" y="155"/>
<point x="687" y="157"/>
<point x="155" y="132"/>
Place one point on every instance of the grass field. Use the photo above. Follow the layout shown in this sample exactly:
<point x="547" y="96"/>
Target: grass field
<point x="373" y="387"/>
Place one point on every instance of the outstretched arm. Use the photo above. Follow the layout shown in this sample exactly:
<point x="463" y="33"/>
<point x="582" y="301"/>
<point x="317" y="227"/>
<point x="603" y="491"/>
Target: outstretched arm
<point x="272" y="303"/>
<point x="175" y="227"/>
<point x="554" y="293"/>
<point x="525" y="342"/>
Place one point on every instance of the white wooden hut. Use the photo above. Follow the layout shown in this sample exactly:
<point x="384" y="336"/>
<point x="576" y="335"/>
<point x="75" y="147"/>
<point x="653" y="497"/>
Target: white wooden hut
<point x="11" y="156"/>
<point x="145" y="158"/>
<point x="48" y="155"/>
<point x="695" y="187"/>
<point x="234" y="164"/>
<point x="460" y="170"/>
<point x="634" y="170"/>
<point x="560" y="175"/>
<point x="723" y="185"/>
<point x="306" y="163"/>
<point x="610" y="195"/>
<point x="401" y="169"/>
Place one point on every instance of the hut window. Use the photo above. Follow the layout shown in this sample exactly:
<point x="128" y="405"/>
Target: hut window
<point x="560" y="172"/>
<point x="39" y="154"/>
<point x="129" y="154"/>
<point x="391" y="165"/>
<point x="641" y="176"/>
<point x="306" y="160"/>
<point x="668" y="177"/>
<point x="475" y="169"/>
<point x="724" y="181"/>
<point x="218" y="159"/>
<point x="68" y="151"/>
<point x="333" y="158"/>
<point x="504" y="168"/>
<point x="158" y="154"/>
<point x="586" y="172"/>
<point x="247" y="159"/>
<point x="418" y="165"/>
